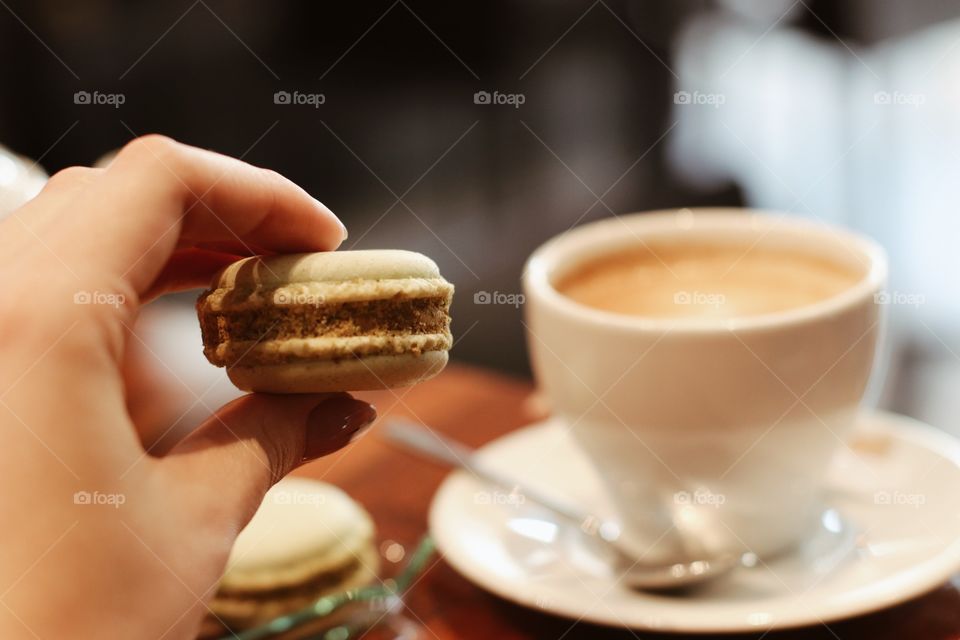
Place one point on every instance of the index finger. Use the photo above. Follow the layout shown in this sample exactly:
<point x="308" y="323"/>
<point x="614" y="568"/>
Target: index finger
<point x="159" y="195"/>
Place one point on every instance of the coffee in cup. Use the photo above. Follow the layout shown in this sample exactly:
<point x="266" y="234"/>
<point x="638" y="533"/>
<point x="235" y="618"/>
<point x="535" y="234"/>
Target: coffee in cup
<point x="720" y="280"/>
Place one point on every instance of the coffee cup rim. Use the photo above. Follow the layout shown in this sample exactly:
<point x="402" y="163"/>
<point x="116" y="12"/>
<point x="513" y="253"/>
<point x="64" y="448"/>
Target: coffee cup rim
<point x="543" y="262"/>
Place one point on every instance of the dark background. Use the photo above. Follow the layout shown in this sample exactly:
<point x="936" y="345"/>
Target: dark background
<point x="481" y="185"/>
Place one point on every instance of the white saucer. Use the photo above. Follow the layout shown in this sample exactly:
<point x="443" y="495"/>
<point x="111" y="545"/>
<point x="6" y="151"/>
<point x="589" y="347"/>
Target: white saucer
<point x="895" y="486"/>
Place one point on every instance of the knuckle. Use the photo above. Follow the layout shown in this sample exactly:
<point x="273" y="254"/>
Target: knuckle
<point x="150" y="147"/>
<point x="70" y="176"/>
<point x="156" y="158"/>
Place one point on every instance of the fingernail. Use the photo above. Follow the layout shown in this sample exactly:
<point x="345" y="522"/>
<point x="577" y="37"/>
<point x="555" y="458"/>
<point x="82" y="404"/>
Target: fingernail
<point x="343" y="227"/>
<point x="334" y="423"/>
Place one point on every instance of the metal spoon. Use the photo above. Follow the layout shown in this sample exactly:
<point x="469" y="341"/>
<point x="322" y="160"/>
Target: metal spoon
<point x="634" y="572"/>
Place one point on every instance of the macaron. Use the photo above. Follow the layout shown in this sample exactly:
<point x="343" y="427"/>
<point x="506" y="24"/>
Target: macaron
<point x="333" y="321"/>
<point x="308" y="539"/>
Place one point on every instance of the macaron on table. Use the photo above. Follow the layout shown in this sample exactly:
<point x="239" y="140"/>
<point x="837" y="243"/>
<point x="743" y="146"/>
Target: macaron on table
<point x="307" y="540"/>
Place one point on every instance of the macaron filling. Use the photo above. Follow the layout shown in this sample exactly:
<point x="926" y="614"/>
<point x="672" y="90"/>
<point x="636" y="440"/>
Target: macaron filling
<point x="311" y="587"/>
<point x="367" y="327"/>
<point x="345" y="319"/>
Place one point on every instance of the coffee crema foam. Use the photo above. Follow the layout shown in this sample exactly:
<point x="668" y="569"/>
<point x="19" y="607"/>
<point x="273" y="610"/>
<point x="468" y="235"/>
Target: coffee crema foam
<point x="705" y="280"/>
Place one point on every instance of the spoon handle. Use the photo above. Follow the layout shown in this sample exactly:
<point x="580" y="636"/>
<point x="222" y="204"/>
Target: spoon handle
<point x="432" y="445"/>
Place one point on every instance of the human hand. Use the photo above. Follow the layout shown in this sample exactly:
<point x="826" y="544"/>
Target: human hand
<point x="100" y="539"/>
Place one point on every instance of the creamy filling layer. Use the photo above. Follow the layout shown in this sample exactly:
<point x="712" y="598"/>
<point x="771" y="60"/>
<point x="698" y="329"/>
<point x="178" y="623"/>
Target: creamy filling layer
<point x="397" y="317"/>
<point x="320" y="583"/>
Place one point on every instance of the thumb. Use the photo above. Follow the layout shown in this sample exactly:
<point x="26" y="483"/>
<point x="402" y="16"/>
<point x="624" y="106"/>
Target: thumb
<point x="231" y="460"/>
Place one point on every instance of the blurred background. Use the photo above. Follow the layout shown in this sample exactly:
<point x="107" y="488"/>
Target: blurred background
<point x="473" y="133"/>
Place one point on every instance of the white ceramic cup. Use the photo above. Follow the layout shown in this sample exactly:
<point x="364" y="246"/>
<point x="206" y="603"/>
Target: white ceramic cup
<point x="719" y="428"/>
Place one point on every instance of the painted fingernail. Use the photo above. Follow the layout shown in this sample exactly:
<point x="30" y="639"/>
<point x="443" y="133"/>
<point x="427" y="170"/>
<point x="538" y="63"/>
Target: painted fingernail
<point x="334" y="423"/>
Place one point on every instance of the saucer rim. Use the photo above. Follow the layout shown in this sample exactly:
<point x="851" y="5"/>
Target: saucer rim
<point x="894" y="588"/>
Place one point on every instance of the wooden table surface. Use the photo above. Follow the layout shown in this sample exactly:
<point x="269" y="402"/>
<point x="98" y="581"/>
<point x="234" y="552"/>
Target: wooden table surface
<point x="477" y="406"/>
